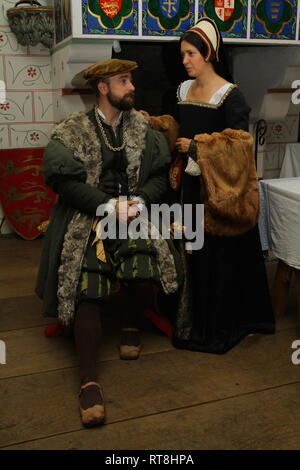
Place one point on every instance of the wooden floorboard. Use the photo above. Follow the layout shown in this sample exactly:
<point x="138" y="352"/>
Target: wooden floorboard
<point x="29" y="351"/>
<point x="267" y="420"/>
<point x="22" y="312"/>
<point x="18" y="286"/>
<point x="25" y="312"/>
<point x="19" y="266"/>
<point x="168" y="399"/>
<point x="154" y="384"/>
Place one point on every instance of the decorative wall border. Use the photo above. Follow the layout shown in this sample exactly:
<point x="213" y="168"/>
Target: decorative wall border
<point x="232" y="21"/>
<point x="268" y="22"/>
<point x="180" y="17"/>
<point x="125" y="22"/>
<point x="242" y="31"/>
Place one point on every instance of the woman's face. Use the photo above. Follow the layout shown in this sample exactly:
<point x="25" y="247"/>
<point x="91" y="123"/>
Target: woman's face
<point x="192" y="60"/>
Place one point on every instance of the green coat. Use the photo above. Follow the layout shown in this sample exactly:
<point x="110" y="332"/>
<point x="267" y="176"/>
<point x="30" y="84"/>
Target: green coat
<point x="72" y="168"/>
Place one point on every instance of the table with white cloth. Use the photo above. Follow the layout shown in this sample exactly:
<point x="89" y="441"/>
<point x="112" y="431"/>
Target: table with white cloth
<point x="279" y="227"/>
<point x="291" y="161"/>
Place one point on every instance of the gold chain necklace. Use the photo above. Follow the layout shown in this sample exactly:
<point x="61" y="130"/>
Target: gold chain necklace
<point x="103" y="133"/>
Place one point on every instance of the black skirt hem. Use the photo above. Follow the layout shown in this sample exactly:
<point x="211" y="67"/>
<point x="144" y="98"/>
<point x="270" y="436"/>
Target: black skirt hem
<point x="193" y="345"/>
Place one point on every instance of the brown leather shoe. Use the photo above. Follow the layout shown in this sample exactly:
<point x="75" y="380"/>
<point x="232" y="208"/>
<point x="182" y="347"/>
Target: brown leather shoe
<point x="131" y="351"/>
<point x="94" y="415"/>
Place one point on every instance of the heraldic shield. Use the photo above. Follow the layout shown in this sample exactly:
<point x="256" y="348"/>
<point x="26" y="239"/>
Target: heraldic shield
<point x="25" y="199"/>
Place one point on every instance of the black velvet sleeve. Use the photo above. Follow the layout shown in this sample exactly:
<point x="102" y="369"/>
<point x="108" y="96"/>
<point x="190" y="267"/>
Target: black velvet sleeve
<point x="154" y="188"/>
<point x="81" y="196"/>
<point x="236" y="111"/>
<point x="67" y="177"/>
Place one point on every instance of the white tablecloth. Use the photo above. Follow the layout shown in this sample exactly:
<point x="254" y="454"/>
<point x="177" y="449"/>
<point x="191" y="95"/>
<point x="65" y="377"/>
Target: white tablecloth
<point x="279" y="223"/>
<point x="291" y="161"/>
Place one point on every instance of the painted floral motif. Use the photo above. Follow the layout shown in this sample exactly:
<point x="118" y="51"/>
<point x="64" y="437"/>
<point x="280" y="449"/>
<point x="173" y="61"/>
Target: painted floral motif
<point x="31" y="72"/>
<point x="9" y="44"/>
<point x="17" y="108"/>
<point x="44" y="109"/>
<point x="5" y="106"/>
<point x="278" y="128"/>
<point x="34" y="136"/>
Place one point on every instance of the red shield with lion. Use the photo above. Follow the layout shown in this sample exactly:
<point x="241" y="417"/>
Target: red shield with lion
<point x="25" y="199"/>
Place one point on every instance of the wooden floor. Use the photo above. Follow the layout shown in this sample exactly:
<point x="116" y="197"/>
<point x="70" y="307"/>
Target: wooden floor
<point x="248" y="398"/>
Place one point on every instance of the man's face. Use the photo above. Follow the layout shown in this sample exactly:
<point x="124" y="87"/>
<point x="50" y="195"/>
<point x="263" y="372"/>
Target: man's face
<point x="121" y="92"/>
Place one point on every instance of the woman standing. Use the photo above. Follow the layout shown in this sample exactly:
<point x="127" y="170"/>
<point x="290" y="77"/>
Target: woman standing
<point x="225" y="295"/>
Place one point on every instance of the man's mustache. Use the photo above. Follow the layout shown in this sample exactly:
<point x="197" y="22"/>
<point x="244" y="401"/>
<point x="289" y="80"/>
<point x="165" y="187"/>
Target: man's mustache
<point x="129" y="95"/>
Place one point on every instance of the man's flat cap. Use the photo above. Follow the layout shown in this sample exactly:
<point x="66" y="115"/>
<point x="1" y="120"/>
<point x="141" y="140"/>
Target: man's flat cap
<point x="108" y="68"/>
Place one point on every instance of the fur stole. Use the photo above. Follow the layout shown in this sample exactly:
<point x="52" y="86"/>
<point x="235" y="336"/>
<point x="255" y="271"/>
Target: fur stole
<point x="229" y="186"/>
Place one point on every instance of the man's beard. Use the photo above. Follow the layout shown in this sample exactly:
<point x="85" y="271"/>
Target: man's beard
<point x="123" y="104"/>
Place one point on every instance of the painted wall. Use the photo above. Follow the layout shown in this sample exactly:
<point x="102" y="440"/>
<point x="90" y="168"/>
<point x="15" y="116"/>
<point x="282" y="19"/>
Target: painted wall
<point x="26" y="117"/>
<point x="279" y="133"/>
<point x="34" y="81"/>
<point x="258" y="69"/>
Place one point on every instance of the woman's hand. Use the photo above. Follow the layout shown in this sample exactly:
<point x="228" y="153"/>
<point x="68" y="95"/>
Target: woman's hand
<point x="144" y="113"/>
<point x="182" y="144"/>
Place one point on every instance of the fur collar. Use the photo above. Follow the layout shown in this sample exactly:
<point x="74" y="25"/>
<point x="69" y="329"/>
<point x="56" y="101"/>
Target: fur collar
<point x="79" y="135"/>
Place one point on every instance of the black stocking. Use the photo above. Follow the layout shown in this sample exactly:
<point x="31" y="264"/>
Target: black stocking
<point x="134" y="299"/>
<point x="87" y="330"/>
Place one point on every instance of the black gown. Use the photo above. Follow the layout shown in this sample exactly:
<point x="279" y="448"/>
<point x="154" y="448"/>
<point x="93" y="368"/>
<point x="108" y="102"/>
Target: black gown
<point x="225" y="295"/>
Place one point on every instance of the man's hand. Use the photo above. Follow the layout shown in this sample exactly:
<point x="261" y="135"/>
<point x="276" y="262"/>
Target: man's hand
<point x="182" y="144"/>
<point x="126" y="211"/>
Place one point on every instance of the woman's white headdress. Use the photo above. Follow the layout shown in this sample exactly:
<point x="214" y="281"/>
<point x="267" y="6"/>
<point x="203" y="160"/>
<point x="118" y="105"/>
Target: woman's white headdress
<point x="208" y="31"/>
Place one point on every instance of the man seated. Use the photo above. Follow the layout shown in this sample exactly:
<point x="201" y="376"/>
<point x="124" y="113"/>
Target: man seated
<point x="111" y="162"/>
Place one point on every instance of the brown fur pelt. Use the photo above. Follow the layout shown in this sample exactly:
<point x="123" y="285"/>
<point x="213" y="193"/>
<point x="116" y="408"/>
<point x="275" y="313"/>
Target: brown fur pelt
<point x="167" y="125"/>
<point x="229" y="182"/>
